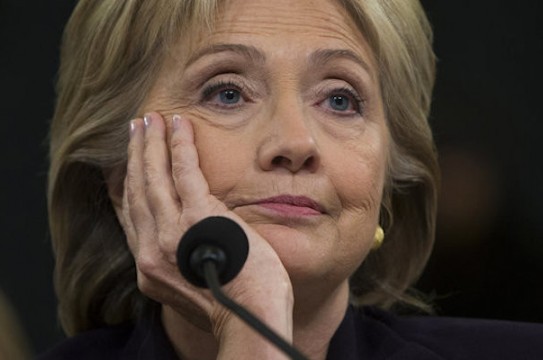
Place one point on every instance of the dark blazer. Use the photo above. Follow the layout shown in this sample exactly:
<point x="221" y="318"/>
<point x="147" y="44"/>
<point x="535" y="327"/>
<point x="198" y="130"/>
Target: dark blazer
<point x="365" y="333"/>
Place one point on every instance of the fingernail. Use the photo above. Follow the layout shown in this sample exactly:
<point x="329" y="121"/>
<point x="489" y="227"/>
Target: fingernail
<point x="147" y="120"/>
<point x="132" y="127"/>
<point x="176" y="120"/>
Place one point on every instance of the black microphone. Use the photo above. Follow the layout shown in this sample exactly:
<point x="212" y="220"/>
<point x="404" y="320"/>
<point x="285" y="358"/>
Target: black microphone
<point x="217" y="239"/>
<point x="211" y="253"/>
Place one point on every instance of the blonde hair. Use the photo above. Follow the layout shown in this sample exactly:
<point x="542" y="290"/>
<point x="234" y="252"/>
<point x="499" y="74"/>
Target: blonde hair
<point x="13" y="342"/>
<point x="111" y="53"/>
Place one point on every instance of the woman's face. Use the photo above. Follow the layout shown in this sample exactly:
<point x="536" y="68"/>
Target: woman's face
<point x="289" y="126"/>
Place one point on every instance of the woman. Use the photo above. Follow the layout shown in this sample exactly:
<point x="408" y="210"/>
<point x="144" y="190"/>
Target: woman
<point x="303" y="121"/>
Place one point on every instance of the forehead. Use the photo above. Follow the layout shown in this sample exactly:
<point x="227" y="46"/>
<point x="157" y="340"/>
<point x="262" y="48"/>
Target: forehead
<point x="322" y="18"/>
<point x="290" y="26"/>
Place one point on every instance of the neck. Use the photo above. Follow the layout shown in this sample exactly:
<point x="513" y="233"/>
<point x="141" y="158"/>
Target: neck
<point x="315" y="321"/>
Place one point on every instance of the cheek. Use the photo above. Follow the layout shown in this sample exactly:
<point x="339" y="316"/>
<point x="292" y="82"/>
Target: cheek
<point x="358" y="177"/>
<point x="223" y="159"/>
<point x="360" y="199"/>
<point x="360" y="188"/>
<point x="358" y="172"/>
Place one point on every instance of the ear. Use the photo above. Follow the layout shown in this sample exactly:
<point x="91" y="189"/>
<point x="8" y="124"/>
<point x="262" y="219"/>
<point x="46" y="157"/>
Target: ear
<point x="114" y="178"/>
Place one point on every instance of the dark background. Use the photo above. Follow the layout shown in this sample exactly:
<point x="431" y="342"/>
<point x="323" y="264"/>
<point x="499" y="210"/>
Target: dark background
<point x="486" y="117"/>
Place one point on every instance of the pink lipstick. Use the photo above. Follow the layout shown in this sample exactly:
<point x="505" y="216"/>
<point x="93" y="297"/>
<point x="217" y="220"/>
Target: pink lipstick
<point x="292" y="206"/>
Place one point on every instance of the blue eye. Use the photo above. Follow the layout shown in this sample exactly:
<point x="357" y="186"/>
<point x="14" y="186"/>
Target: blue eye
<point x="343" y="102"/>
<point x="339" y="102"/>
<point x="229" y="96"/>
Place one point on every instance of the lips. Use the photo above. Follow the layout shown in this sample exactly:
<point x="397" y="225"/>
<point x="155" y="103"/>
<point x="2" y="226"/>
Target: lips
<point x="291" y="205"/>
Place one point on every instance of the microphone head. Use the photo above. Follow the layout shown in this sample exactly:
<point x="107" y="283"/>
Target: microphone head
<point x="229" y="245"/>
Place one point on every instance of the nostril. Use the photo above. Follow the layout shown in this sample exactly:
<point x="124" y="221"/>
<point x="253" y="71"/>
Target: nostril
<point x="293" y="164"/>
<point x="309" y="162"/>
<point x="280" y="160"/>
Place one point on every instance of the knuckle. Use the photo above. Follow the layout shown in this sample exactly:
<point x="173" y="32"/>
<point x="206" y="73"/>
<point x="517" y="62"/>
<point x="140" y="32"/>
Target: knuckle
<point x="131" y="192"/>
<point x="132" y="186"/>
<point x="176" y="144"/>
<point x="152" y="174"/>
<point x="180" y="168"/>
<point x="147" y="264"/>
<point x="168" y="248"/>
<point x="145" y="285"/>
<point x="134" y="209"/>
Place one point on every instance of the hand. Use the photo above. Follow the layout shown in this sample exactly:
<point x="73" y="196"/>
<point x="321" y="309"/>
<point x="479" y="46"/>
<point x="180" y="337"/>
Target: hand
<point x="162" y="199"/>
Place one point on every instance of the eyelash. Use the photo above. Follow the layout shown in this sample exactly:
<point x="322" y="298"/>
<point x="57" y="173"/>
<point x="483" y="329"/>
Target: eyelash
<point x="357" y="100"/>
<point x="214" y="89"/>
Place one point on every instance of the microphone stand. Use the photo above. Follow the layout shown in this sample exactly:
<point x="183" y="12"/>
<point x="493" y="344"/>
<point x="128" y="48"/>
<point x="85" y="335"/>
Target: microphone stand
<point x="212" y="279"/>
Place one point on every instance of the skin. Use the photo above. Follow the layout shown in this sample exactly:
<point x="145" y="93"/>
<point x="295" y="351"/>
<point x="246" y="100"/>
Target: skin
<point x="308" y="121"/>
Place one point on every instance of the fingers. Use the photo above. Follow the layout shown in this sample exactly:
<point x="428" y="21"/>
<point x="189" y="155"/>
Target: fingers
<point x="189" y="181"/>
<point x="155" y="208"/>
<point x="126" y="220"/>
<point x="137" y="211"/>
<point x="162" y="198"/>
<point x="156" y="164"/>
<point x="151" y="208"/>
<point x="155" y="213"/>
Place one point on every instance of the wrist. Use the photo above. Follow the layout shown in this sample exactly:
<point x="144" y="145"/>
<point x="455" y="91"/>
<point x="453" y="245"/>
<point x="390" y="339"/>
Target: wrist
<point x="239" y="340"/>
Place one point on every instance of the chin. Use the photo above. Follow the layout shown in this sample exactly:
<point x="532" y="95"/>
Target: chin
<point x="288" y="240"/>
<point x="305" y="254"/>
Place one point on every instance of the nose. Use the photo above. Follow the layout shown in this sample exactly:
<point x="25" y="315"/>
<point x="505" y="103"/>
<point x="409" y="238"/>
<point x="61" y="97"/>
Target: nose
<point x="289" y="143"/>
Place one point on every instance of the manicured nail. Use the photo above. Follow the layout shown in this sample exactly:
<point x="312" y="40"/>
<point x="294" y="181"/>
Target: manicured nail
<point x="147" y="120"/>
<point x="176" y="122"/>
<point x="132" y="127"/>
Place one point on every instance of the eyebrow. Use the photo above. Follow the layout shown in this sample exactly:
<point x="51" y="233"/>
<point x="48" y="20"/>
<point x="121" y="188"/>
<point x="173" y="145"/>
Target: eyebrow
<point x="318" y="58"/>
<point x="323" y="56"/>
<point x="249" y="52"/>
